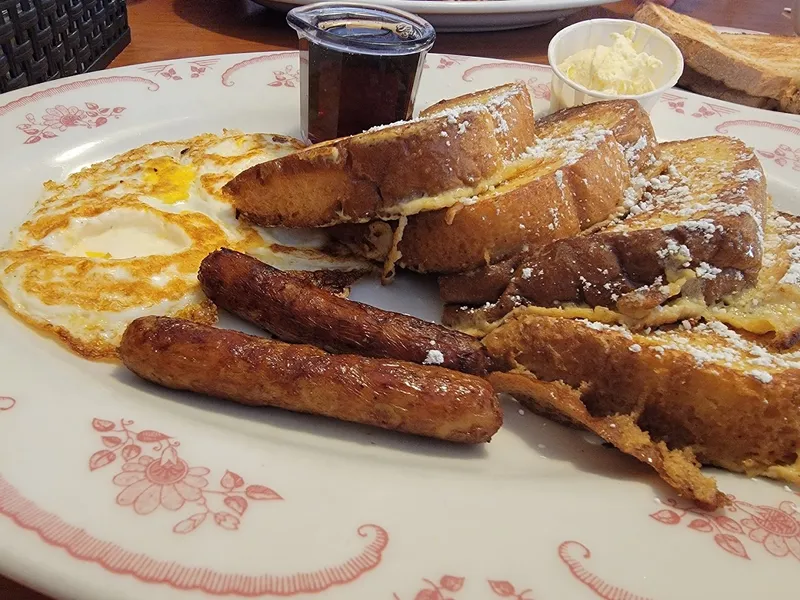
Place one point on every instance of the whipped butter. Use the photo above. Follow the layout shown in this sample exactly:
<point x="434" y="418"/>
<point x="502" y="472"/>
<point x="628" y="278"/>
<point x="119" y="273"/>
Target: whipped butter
<point x="616" y="69"/>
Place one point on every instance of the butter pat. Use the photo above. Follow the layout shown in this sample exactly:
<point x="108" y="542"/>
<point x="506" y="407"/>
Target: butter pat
<point x="617" y="69"/>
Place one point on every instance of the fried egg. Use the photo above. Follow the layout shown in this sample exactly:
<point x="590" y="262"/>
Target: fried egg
<point x="124" y="238"/>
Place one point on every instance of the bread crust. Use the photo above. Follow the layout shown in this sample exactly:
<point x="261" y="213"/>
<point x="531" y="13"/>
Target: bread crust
<point x="562" y="403"/>
<point x="708" y="53"/>
<point x="708" y="86"/>
<point x="390" y="171"/>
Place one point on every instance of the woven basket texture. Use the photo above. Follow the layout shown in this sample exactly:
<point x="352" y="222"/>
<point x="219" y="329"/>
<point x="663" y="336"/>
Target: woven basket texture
<point x="42" y="40"/>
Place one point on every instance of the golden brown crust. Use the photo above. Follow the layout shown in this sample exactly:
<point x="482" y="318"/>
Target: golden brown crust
<point x="385" y="173"/>
<point x="678" y="468"/>
<point x="390" y="394"/>
<point x="515" y="125"/>
<point x="628" y="122"/>
<point x="296" y="311"/>
<point x="712" y="54"/>
<point x="725" y="398"/>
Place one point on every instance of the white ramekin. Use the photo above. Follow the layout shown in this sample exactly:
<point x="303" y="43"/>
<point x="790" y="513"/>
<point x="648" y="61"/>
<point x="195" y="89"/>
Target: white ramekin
<point x="594" y="32"/>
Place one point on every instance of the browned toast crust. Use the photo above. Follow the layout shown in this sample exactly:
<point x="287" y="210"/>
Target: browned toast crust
<point x="515" y="125"/>
<point x="541" y="207"/>
<point x="389" y="171"/>
<point x="708" y="86"/>
<point x="478" y="286"/>
<point x="717" y="56"/>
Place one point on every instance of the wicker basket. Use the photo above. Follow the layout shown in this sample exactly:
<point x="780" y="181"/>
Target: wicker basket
<point x="42" y="40"/>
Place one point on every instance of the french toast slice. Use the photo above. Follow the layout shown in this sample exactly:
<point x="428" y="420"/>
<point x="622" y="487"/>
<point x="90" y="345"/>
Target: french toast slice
<point x="758" y="66"/>
<point x="696" y="237"/>
<point x="581" y="175"/>
<point x="769" y="309"/>
<point x="454" y="152"/>
<point x="726" y="398"/>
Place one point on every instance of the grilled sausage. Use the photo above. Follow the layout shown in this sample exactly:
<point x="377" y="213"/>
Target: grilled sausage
<point x="390" y="394"/>
<point x="297" y="311"/>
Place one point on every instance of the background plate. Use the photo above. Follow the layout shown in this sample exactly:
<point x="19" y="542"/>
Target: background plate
<point x="473" y="15"/>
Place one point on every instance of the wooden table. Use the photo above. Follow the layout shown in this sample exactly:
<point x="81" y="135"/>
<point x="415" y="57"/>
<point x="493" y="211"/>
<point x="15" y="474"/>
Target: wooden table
<point x="165" y="29"/>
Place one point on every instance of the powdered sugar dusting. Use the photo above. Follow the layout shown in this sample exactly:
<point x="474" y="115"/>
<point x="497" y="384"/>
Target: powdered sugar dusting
<point x="710" y="343"/>
<point x="434" y="357"/>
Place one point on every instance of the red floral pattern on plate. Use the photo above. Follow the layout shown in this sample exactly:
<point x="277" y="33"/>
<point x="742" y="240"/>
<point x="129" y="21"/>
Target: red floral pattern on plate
<point x="60" y="118"/>
<point x="227" y="76"/>
<point x="448" y="586"/>
<point x="83" y="546"/>
<point x="289" y="77"/>
<point x="446" y="61"/>
<point x="783" y="155"/>
<point x="713" y="110"/>
<point x="539" y="90"/>
<point x="55" y="90"/>
<point x="707" y="109"/>
<point x="504" y="589"/>
<point x="154" y="476"/>
<point x="594" y="582"/>
<point x="197" y="68"/>
<point x="777" y="529"/>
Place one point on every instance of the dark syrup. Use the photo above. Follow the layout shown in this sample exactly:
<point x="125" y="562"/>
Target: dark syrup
<point x="350" y="92"/>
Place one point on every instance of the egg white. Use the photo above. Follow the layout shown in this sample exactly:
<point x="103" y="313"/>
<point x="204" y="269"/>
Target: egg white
<point x="124" y="238"/>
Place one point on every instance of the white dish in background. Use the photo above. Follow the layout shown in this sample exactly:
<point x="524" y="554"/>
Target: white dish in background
<point x="596" y="32"/>
<point x="473" y="15"/>
<point x="289" y="503"/>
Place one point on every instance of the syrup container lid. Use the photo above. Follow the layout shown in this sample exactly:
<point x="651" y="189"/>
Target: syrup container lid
<point x="362" y="28"/>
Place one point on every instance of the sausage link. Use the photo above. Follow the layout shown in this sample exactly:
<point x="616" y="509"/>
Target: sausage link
<point x="295" y="310"/>
<point x="390" y="394"/>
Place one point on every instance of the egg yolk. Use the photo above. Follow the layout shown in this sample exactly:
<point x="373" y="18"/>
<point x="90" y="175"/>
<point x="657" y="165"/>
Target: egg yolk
<point x="167" y="180"/>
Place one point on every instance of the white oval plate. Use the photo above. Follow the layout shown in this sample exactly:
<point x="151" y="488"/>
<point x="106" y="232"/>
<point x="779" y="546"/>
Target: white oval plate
<point x="472" y="15"/>
<point x="280" y="504"/>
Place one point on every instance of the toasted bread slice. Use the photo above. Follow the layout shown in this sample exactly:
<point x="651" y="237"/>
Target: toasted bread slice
<point x="395" y="170"/>
<point x="698" y="234"/>
<point x="581" y="175"/>
<point x="763" y="68"/>
<point x="708" y="86"/>
<point x="726" y="398"/>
